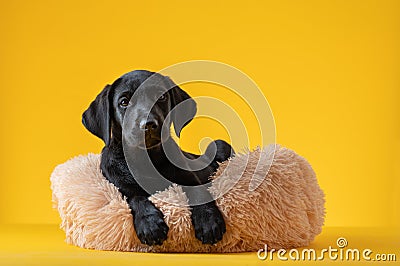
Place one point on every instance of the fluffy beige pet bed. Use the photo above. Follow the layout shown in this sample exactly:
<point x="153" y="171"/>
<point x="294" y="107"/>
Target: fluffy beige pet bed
<point x="285" y="211"/>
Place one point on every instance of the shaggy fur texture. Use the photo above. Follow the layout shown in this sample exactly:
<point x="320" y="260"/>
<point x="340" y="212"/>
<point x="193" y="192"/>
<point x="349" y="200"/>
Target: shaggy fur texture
<point x="285" y="211"/>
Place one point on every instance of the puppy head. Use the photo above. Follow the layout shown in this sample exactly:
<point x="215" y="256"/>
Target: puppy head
<point x="155" y="97"/>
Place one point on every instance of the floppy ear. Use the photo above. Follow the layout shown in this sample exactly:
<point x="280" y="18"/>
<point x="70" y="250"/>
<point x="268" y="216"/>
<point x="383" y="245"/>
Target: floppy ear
<point x="97" y="117"/>
<point x="186" y="113"/>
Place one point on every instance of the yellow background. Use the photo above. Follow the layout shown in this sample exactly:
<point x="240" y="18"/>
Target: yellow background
<point x="329" y="69"/>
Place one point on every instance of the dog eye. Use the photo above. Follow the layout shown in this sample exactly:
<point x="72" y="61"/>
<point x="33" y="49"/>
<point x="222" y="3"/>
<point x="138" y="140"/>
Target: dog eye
<point x="124" y="102"/>
<point x="162" y="98"/>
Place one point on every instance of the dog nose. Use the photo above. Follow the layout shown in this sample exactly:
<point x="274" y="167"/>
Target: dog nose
<point x="148" y="125"/>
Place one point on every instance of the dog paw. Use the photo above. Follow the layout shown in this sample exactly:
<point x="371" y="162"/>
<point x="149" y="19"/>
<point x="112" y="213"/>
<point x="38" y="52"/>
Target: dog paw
<point x="151" y="228"/>
<point x="209" y="225"/>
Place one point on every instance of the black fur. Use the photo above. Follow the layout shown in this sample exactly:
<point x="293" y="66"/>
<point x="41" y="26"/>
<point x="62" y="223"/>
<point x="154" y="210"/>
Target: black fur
<point x="104" y="118"/>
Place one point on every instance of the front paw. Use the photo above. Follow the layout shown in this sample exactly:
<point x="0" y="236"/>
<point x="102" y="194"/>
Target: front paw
<point x="209" y="225"/>
<point x="151" y="228"/>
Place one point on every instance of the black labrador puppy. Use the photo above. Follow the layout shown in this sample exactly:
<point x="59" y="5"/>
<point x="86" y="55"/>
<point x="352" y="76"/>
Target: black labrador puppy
<point x="104" y="118"/>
